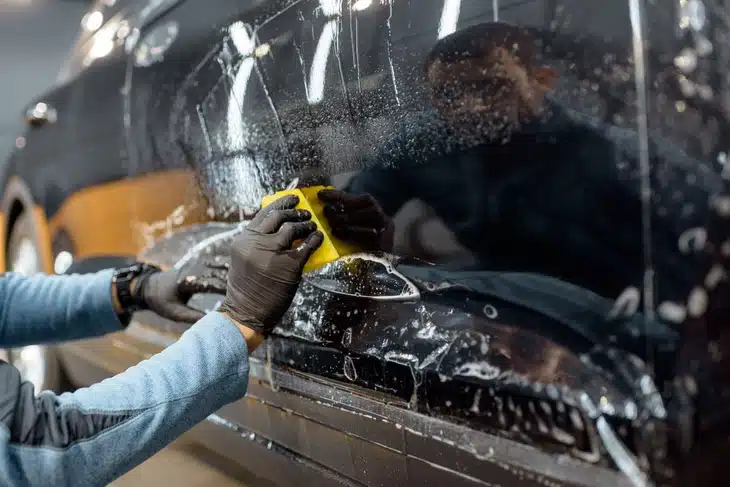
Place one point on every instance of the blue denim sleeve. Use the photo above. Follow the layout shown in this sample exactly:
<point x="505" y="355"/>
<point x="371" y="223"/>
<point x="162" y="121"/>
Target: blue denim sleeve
<point x="96" y="434"/>
<point x="45" y="309"/>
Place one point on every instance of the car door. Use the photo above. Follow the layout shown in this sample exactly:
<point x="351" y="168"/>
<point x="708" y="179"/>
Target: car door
<point x="511" y="322"/>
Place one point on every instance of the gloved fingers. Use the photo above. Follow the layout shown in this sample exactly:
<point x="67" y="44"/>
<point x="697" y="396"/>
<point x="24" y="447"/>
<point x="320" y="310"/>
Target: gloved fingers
<point x="284" y="203"/>
<point x="349" y="201"/>
<point x="275" y="219"/>
<point x="180" y="312"/>
<point x="291" y="232"/>
<point x="215" y="282"/>
<point x="304" y="250"/>
<point x="371" y="216"/>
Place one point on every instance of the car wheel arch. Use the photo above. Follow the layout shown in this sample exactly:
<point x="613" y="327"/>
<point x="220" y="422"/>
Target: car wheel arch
<point x="17" y="198"/>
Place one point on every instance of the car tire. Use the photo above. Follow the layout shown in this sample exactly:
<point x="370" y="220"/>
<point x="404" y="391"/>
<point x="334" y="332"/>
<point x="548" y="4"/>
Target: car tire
<point x="37" y="364"/>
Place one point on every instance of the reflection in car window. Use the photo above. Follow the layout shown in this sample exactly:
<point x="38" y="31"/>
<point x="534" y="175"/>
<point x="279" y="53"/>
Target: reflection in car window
<point x="557" y="157"/>
<point x="513" y="141"/>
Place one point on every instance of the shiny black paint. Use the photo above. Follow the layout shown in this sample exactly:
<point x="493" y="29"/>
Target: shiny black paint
<point x="232" y="96"/>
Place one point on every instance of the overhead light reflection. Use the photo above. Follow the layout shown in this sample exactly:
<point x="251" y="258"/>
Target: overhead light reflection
<point x="92" y="20"/>
<point x="245" y="45"/>
<point x="319" y="64"/>
<point x="102" y="47"/>
<point x="449" y="18"/>
<point x="360" y="5"/>
<point x="331" y="7"/>
<point x="102" y="43"/>
<point x="63" y="262"/>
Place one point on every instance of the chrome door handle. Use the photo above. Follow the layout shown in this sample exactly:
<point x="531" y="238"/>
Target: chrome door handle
<point x="40" y="114"/>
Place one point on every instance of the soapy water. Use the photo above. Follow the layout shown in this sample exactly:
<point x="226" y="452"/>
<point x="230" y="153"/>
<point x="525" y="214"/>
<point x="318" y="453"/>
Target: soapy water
<point x="200" y="247"/>
<point x="364" y="275"/>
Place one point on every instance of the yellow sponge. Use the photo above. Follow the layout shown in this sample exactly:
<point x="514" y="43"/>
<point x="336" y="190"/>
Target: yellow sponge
<point x="331" y="248"/>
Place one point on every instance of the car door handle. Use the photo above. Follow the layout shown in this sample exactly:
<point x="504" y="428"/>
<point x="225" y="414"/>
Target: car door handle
<point x="40" y="114"/>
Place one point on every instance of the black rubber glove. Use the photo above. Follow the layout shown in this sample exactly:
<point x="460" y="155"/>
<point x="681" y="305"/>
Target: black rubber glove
<point x="207" y="272"/>
<point x="162" y="293"/>
<point x="358" y="218"/>
<point x="265" y="270"/>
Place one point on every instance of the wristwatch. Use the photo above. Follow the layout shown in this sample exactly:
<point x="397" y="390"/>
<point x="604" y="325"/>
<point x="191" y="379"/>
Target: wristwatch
<point x="130" y="300"/>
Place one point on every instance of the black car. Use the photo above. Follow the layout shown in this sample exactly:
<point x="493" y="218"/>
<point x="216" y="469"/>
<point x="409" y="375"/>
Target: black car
<point x="542" y="207"/>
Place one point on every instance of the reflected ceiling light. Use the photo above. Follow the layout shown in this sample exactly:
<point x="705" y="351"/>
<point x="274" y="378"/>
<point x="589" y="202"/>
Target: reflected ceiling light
<point x="331" y="7"/>
<point x="359" y="5"/>
<point x="101" y="47"/>
<point x="234" y="117"/>
<point x="63" y="262"/>
<point x="449" y="18"/>
<point x="319" y="64"/>
<point x="102" y="43"/>
<point x="92" y="20"/>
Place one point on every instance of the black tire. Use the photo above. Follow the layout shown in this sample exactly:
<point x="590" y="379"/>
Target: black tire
<point x="42" y="360"/>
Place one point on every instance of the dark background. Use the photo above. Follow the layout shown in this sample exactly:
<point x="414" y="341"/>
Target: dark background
<point x="36" y="36"/>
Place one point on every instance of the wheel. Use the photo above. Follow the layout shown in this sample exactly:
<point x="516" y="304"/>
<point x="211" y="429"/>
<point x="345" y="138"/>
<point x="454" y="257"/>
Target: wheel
<point x="38" y="364"/>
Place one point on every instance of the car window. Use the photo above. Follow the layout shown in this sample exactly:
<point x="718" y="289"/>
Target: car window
<point x="510" y="140"/>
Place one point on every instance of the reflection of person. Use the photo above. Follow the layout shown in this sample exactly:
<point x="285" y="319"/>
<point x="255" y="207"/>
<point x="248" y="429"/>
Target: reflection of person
<point x="96" y="434"/>
<point x="528" y="185"/>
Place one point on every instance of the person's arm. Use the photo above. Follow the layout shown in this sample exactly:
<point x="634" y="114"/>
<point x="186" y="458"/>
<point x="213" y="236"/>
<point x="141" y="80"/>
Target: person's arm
<point x="94" y="435"/>
<point x="46" y="309"/>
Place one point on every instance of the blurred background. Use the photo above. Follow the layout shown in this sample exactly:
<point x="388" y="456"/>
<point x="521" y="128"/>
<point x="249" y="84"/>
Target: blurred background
<point x="36" y="36"/>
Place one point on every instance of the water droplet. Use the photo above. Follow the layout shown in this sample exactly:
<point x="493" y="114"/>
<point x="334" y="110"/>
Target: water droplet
<point x="722" y="205"/>
<point x="692" y="13"/>
<point x="686" y="60"/>
<point x="692" y="240"/>
<point x="703" y="45"/>
<point x="705" y="92"/>
<point x="627" y="304"/>
<point x="697" y="302"/>
<point x="349" y="369"/>
<point x="714" y="276"/>
<point x="672" y="312"/>
<point x="490" y="311"/>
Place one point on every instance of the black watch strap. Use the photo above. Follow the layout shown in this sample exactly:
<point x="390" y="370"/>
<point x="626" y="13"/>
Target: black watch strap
<point x="122" y="281"/>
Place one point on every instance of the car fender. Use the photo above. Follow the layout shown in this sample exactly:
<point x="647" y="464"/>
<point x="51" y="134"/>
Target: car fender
<point x="17" y="191"/>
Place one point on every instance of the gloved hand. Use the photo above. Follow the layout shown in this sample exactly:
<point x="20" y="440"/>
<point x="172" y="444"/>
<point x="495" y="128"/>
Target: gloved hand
<point x="265" y="270"/>
<point x="358" y="218"/>
<point x="166" y="293"/>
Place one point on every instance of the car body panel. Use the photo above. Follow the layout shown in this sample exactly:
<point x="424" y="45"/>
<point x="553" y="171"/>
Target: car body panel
<point x="546" y="325"/>
<point x="79" y="159"/>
